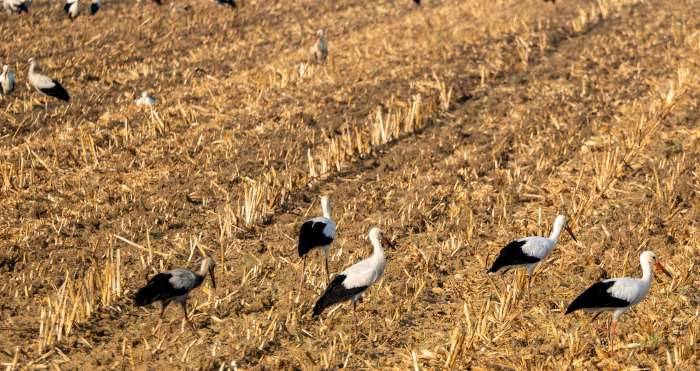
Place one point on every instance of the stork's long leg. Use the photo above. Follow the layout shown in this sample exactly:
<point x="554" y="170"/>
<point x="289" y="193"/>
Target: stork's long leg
<point x="301" y="278"/>
<point x="328" y="275"/>
<point x="163" y="304"/>
<point x="183" y="304"/>
<point x="354" y="315"/>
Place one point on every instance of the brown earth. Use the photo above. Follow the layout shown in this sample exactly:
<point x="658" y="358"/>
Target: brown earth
<point x="508" y="112"/>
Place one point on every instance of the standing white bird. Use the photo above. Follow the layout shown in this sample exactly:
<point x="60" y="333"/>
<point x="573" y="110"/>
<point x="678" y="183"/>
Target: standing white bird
<point x="530" y="251"/>
<point x="618" y="294"/>
<point x="315" y="233"/>
<point x="16" y="6"/>
<point x="72" y="8"/>
<point x="174" y="286"/>
<point x="145" y="99"/>
<point x="7" y="81"/>
<point x="351" y="283"/>
<point x="319" y="51"/>
<point x="94" y="6"/>
<point x="46" y="85"/>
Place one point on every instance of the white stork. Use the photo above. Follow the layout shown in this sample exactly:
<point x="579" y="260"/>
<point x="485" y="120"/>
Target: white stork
<point x="16" y="6"/>
<point x="315" y="233"/>
<point x="174" y="286"/>
<point x="618" y="294"/>
<point x="46" y="85"/>
<point x="145" y="100"/>
<point x="319" y="51"/>
<point x="7" y="81"/>
<point x="351" y="283"/>
<point x="72" y="9"/>
<point x="94" y="6"/>
<point x="528" y="252"/>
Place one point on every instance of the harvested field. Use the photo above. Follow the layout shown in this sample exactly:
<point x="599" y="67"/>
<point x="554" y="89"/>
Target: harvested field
<point x="455" y="126"/>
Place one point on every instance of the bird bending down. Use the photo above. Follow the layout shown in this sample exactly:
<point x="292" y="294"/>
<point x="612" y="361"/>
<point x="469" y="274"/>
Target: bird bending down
<point x="528" y="252"/>
<point x="94" y="6"/>
<point x="46" y="85"/>
<point x="7" y="81"/>
<point x="72" y="9"/>
<point x="315" y="233"/>
<point x="617" y="295"/>
<point x="351" y="283"/>
<point x="319" y="52"/>
<point x="145" y="99"/>
<point x="174" y="286"/>
<point x="16" y="6"/>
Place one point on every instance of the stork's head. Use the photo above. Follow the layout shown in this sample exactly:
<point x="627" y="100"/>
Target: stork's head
<point x="208" y="265"/>
<point x="376" y="234"/>
<point x="648" y="258"/>
<point x="562" y="222"/>
<point x="320" y="33"/>
<point x="31" y="61"/>
<point x="5" y="68"/>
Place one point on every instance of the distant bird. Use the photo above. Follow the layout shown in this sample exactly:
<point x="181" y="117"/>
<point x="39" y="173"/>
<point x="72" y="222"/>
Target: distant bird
<point x="7" y="81"/>
<point x="528" y="252"/>
<point x="315" y="233"/>
<point x="230" y="3"/>
<point x="319" y="51"/>
<point x="72" y="8"/>
<point x="351" y="283"/>
<point x="94" y="6"/>
<point x="16" y="6"/>
<point x="46" y="85"/>
<point x="174" y="286"/>
<point x="145" y="99"/>
<point x="618" y="294"/>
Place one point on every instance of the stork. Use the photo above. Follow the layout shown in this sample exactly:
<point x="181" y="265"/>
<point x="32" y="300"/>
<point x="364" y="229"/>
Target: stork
<point x="72" y="8"/>
<point x="618" y="295"/>
<point x="319" y="51"/>
<point x="145" y="99"/>
<point x="528" y="252"/>
<point x="16" y="6"/>
<point x="316" y="233"/>
<point x="351" y="283"/>
<point x="174" y="286"/>
<point x="46" y="85"/>
<point x="7" y="81"/>
<point x="94" y="6"/>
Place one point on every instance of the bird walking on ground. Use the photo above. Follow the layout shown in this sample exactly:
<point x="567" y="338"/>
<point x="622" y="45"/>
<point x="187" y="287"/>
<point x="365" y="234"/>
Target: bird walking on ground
<point x="7" y="81"/>
<point x="618" y="295"/>
<point x="174" y="286"/>
<point x="317" y="233"/>
<point x="528" y="252"/>
<point x="351" y="283"/>
<point x="46" y="85"/>
<point x="16" y="6"/>
<point x="72" y="9"/>
<point x="319" y="51"/>
<point x="94" y="6"/>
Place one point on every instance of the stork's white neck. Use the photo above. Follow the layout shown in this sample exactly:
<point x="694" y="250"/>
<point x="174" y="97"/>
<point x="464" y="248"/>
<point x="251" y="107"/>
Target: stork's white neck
<point x="377" y="249"/>
<point x="556" y="230"/>
<point x="326" y="207"/>
<point x="647" y="270"/>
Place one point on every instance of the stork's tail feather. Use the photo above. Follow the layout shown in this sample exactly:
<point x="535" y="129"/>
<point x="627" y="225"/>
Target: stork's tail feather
<point x="145" y="296"/>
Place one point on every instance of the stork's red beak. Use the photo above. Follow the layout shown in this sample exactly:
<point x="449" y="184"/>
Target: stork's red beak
<point x="571" y="233"/>
<point x="663" y="269"/>
<point x="388" y="243"/>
